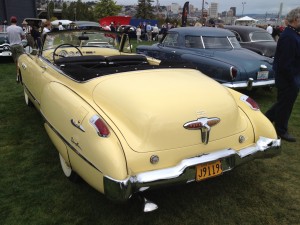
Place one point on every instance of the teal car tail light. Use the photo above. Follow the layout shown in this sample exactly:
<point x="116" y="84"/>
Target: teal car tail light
<point x="233" y="72"/>
<point x="100" y="126"/>
<point x="250" y="102"/>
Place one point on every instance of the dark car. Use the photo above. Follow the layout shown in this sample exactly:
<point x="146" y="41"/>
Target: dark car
<point x="216" y="53"/>
<point x="87" y="25"/>
<point x="4" y="44"/>
<point x="255" y="39"/>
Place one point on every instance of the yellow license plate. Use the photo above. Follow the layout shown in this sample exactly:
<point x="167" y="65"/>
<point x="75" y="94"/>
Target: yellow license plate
<point x="204" y="171"/>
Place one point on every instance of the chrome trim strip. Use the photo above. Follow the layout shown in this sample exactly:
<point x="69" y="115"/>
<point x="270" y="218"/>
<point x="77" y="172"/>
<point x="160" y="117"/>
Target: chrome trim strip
<point x="184" y="172"/>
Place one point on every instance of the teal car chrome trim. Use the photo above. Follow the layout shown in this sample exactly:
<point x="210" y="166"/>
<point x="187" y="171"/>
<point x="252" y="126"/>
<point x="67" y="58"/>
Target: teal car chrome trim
<point x="185" y="172"/>
<point x="254" y="83"/>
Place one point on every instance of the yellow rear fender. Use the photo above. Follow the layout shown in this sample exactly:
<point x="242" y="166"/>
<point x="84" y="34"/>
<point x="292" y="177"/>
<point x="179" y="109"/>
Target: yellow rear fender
<point x="260" y="123"/>
<point x="69" y="116"/>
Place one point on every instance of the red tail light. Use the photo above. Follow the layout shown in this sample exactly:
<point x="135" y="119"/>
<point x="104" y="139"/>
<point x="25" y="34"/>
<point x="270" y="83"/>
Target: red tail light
<point x="249" y="101"/>
<point x="100" y="126"/>
<point x="233" y="72"/>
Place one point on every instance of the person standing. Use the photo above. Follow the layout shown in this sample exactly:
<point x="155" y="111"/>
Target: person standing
<point x="287" y="75"/>
<point x="60" y="26"/>
<point x="15" y="36"/>
<point x="36" y="36"/>
<point x="47" y="27"/>
<point x="149" y="31"/>
<point x="155" y="32"/>
<point x="269" y="29"/>
<point x="27" y="30"/>
<point x="112" y="27"/>
<point x="138" y="34"/>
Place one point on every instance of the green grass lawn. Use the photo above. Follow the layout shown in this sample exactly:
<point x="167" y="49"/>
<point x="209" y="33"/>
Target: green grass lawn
<point x="34" y="190"/>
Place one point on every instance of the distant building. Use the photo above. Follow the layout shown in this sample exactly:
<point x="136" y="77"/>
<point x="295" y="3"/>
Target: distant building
<point x="174" y="8"/>
<point x="233" y="10"/>
<point x="213" y="10"/>
<point x="21" y="9"/>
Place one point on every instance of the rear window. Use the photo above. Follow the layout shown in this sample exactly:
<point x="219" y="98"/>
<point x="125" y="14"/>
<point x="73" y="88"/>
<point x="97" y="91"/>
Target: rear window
<point x="193" y="42"/>
<point x="260" y="36"/>
<point x="216" y="42"/>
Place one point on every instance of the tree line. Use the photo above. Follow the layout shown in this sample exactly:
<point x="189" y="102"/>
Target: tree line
<point x="93" y="11"/>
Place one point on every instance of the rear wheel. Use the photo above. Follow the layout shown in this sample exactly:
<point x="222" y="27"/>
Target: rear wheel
<point x="27" y="100"/>
<point x="69" y="173"/>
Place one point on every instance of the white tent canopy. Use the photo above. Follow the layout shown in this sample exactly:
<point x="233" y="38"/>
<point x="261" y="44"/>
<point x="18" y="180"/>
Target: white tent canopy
<point x="246" y="20"/>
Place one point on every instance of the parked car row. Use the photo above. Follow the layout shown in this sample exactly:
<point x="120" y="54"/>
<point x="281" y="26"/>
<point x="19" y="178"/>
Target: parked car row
<point x="127" y="123"/>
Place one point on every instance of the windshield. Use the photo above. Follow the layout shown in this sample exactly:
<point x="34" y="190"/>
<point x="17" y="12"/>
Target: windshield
<point x="79" y="38"/>
<point x="3" y="28"/>
<point x="220" y="42"/>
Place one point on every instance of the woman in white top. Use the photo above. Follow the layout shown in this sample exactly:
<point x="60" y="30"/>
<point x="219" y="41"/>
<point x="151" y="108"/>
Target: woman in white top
<point x="138" y="34"/>
<point x="47" y="27"/>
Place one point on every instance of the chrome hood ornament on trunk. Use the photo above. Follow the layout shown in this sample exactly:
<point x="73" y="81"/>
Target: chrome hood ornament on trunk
<point x="204" y="124"/>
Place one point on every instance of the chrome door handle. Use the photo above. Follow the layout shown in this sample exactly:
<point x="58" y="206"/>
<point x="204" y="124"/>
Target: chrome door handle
<point x="77" y="125"/>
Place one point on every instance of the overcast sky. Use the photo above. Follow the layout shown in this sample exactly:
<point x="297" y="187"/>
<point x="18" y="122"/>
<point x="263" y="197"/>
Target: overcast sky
<point x="250" y="6"/>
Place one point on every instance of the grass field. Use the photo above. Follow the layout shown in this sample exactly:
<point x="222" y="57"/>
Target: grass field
<point x="34" y="191"/>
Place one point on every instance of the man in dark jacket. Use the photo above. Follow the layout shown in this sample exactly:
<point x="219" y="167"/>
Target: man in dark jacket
<point x="287" y="75"/>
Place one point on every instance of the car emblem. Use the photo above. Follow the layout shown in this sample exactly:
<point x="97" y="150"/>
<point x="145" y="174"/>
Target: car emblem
<point x="204" y="124"/>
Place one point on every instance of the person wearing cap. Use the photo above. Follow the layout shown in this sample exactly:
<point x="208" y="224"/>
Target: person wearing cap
<point x="15" y="36"/>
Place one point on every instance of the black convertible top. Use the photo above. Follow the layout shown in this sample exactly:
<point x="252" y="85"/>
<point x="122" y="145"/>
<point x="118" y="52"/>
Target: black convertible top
<point x="84" y="68"/>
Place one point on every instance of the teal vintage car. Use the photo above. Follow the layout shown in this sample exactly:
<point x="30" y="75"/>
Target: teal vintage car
<point x="215" y="52"/>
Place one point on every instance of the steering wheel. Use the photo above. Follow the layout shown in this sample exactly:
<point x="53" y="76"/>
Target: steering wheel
<point x="64" y="45"/>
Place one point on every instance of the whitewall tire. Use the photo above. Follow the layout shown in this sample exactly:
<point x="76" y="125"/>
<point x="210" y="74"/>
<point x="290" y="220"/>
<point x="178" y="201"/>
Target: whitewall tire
<point x="69" y="173"/>
<point x="27" y="100"/>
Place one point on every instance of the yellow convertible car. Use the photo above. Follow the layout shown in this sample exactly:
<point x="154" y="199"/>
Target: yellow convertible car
<point x="127" y="124"/>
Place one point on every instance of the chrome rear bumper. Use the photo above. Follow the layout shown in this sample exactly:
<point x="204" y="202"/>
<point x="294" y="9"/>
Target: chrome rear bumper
<point x="184" y="172"/>
<point x="250" y="84"/>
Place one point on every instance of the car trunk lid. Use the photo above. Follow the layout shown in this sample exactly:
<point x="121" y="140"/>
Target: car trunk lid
<point x="151" y="107"/>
